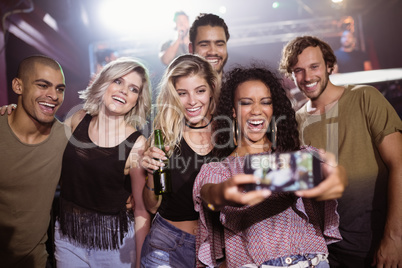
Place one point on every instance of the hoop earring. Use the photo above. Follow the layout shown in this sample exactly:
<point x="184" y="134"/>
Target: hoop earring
<point x="274" y="131"/>
<point x="235" y="131"/>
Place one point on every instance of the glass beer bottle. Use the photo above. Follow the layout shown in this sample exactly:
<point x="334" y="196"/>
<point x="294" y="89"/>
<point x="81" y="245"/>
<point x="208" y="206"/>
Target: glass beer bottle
<point x="162" y="179"/>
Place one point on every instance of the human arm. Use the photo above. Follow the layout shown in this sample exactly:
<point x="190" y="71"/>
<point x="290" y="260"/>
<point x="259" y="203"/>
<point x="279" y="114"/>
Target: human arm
<point x="169" y="53"/>
<point x="334" y="183"/>
<point x="148" y="162"/>
<point x="230" y="193"/>
<point x="367" y="65"/>
<point x="390" y="248"/>
<point x="141" y="215"/>
<point x="169" y="49"/>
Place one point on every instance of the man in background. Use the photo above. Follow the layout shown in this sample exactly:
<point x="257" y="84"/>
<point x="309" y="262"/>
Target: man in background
<point x="173" y="48"/>
<point x="209" y="35"/>
<point x="349" y="59"/>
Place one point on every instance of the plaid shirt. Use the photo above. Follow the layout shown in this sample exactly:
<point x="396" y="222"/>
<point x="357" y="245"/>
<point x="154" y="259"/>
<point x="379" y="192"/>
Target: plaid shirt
<point x="282" y="225"/>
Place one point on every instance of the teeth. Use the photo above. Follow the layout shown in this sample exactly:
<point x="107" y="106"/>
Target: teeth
<point x="213" y="61"/>
<point x="194" y="109"/>
<point x="311" y="85"/>
<point x="47" y="104"/>
<point x="256" y="122"/>
<point x="119" y="99"/>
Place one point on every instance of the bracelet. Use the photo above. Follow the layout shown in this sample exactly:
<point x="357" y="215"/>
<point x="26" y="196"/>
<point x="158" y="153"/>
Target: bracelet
<point x="149" y="188"/>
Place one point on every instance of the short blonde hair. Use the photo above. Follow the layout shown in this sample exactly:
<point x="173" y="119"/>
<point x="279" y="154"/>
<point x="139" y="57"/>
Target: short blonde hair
<point x="93" y="94"/>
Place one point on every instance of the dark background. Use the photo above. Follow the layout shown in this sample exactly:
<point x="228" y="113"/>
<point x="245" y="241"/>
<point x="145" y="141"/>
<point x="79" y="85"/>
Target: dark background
<point x="258" y="32"/>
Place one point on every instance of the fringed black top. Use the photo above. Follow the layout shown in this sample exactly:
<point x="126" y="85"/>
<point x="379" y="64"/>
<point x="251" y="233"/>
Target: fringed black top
<point x="94" y="190"/>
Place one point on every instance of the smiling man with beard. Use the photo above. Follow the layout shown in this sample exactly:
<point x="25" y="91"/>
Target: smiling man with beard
<point x="357" y="124"/>
<point x="209" y="35"/>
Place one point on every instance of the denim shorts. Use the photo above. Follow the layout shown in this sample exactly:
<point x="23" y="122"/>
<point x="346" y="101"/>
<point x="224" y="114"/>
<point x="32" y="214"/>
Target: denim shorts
<point x="69" y="255"/>
<point x="167" y="246"/>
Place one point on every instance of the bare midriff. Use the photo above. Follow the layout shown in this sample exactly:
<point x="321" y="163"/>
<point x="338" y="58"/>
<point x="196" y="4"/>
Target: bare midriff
<point x="186" y="226"/>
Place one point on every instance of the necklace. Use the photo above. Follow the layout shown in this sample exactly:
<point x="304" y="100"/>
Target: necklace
<point x="201" y="127"/>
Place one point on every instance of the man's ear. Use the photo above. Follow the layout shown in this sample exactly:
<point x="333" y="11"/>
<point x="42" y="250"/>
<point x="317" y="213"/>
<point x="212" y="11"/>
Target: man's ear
<point x="190" y="48"/>
<point x="17" y="86"/>
<point x="330" y="69"/>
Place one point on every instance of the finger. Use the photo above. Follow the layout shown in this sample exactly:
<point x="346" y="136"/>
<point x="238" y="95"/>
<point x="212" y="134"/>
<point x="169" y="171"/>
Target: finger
<point x="147" y="162"/>
<point x="244" y="179"/>
<point x="254" y="197"/>
<point x="3" y="109"/>
<point x="11" y="107"/>
<point x="157" y="153"/>
<point x="154" y="164"/>
<point x="321" y="194"/>
<point x="321" y="190"/>
<point x="329" y="159"/>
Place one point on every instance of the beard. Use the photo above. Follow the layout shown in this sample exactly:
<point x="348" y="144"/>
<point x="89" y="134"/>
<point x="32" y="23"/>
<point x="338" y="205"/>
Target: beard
<point x="323" y="85"/>
<point x="223" y="65"/>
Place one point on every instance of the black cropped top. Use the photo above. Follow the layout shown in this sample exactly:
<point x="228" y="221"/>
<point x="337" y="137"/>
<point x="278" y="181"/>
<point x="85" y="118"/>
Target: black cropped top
<point x="94" y="190"/>
<point x="184" y="167"/>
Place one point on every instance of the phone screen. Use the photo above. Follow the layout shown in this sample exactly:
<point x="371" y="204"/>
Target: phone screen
<point x="284" y="172"/>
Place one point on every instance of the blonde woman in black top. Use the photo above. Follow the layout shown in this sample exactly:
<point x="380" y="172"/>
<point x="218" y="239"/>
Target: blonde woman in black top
<point x="100" y="171"/>
<point x="186" y="102"/>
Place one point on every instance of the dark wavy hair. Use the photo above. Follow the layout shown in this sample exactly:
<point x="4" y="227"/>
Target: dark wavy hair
<point x="207" y="19"/>
<point x="295" y="47"/>
<point x="287" y="135"/>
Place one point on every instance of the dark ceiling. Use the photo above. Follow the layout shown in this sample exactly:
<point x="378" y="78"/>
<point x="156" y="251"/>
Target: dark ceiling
<point x="378" y="21"/>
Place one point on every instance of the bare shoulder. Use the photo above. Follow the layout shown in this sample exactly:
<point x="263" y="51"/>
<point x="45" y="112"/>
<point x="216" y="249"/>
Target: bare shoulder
<point x="136" y="152"/>
<point x="140" y="143"/>
<point x="75" y="119"/>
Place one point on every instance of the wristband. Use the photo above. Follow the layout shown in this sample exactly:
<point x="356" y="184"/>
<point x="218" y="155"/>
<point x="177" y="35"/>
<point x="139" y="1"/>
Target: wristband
<point x="149" y="188"/>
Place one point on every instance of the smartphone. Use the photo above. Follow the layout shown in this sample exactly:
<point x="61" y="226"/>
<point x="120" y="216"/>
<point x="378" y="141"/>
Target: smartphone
<point x="284" y="172"/>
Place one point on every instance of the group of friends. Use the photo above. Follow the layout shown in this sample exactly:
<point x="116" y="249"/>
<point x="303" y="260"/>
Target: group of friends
<point x="109" y="214"/>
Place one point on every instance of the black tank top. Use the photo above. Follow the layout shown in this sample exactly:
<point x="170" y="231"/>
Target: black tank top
<point x="184" y="167"/>
<point x="94" y="189"/>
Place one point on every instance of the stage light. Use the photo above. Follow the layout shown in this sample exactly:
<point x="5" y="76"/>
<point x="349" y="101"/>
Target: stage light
<point x="337" y="4"/>
<point x="275" y="4"/>
<point x="129" y="17"/>
<point x="51" y="22"/>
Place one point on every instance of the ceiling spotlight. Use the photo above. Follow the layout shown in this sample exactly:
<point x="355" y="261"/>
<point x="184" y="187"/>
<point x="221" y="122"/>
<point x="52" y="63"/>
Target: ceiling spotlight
<point x="275" y="4"/>
<point x="337" y="1"/>
<point x="222" y="10"/>
<point x="51" y="22"/>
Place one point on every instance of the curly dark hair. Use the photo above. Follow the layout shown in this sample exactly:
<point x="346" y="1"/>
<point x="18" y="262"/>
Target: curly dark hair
<point x="287" y="133"/>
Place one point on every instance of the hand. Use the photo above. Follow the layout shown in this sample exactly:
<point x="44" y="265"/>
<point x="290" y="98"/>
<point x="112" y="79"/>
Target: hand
<point x="8" y="108"/>
<point x="389" y="253"/>
<point x="130" y="203"/>
<point x="148" y="161"/>
<point x="232" y="191"/>
<point x="183" y="35"/>
<point x="334" y="183"/>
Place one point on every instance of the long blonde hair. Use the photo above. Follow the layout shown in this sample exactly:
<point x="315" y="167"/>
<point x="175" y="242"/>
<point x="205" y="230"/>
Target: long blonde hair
<point x="170" y="115"/>
<point x="93" y="94"/>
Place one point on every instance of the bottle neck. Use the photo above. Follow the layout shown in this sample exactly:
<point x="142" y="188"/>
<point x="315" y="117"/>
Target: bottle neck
<point x="159" y="139"/>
